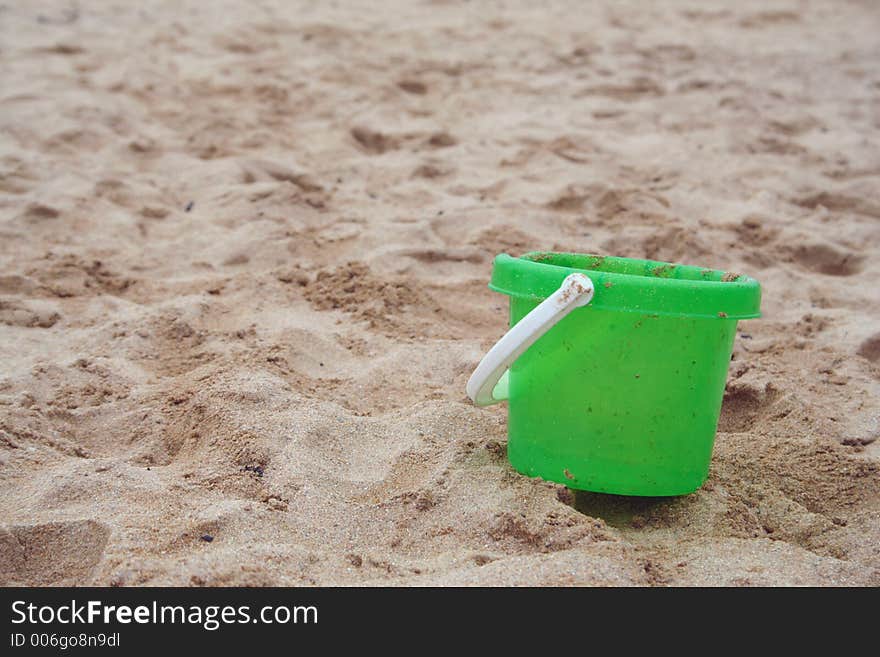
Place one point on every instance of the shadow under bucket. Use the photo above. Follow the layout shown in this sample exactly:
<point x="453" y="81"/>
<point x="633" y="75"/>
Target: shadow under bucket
<point x="621" y="395"/>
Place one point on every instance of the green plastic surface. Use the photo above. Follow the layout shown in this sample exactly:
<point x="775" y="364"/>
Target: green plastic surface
<point x="623" y="395"/>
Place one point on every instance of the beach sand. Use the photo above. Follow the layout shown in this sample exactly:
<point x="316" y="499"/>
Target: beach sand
<point x="244" y="250"/>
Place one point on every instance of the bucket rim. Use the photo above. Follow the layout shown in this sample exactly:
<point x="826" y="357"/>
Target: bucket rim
<point x="648" y="287"/>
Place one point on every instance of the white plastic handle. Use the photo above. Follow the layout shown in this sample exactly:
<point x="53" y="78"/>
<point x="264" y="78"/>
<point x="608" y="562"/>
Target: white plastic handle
<point x="576" y="291"/>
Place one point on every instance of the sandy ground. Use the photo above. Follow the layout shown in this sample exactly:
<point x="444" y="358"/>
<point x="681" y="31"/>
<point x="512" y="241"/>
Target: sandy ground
<point x="243" y="258"/>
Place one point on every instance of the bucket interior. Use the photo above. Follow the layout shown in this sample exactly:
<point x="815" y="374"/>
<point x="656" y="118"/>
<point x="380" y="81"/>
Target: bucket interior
<point x="632" y="267"/>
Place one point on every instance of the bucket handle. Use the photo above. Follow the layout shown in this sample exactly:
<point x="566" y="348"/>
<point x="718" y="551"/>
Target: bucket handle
<point x="576" y="291"/>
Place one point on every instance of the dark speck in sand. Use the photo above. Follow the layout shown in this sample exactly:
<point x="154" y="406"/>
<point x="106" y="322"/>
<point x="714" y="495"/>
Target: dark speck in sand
<point x="189" y="206"/>
<point x="256" y="469"/>
<point x="565" y="495"/>
<point x="207" y="538"/>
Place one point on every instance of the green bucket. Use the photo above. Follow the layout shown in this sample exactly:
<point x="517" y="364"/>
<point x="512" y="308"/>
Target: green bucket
<point x="620" y="390"/>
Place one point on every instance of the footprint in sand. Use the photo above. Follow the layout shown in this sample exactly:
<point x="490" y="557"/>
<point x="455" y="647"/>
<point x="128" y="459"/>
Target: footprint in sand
<point x="39" y="211"/>
<point x="411" y="86"/>
<point x="870" y="348"/>
<point x="55" y="553"/>
<point x="826" y="259"/>
<point x="373" y="141"/>
<point x="743" y="407"/>
<point x="31" y="313"/>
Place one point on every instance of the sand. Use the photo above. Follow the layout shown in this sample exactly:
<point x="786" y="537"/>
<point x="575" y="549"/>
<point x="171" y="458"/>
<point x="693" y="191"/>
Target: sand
<point x="244" y="250"/>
